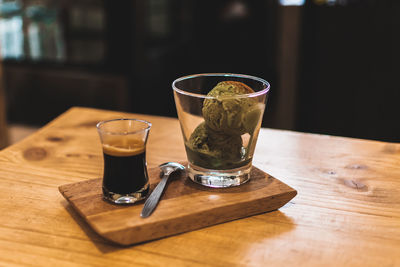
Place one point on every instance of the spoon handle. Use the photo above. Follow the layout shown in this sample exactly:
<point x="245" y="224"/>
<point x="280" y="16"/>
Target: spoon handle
<point x="152" y="201"/>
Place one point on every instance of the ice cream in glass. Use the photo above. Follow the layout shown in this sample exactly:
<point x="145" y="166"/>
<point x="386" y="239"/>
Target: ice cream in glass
<point x="220" y="117"/>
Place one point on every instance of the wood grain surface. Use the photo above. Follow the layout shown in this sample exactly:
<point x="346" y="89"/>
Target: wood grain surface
<point x="184" y="206"/>
<point x="346" y="213"/>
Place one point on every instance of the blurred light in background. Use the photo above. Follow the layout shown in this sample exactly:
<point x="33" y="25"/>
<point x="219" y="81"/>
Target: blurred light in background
<point x="43" y="39"/>
<point x="292" y="2"/>
<point x="11" y="37"/>
<point x="325" y="59"/>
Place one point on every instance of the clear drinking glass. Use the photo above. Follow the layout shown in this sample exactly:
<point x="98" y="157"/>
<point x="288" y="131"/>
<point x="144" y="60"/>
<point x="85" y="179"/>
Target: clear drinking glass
<point x="220" y="130"/>
<point x="125" y="178"/>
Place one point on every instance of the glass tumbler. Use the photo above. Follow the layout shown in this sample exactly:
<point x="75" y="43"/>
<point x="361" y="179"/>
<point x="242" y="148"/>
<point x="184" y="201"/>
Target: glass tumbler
<point x="220" y="119"/>
<point x="125" y="178"/>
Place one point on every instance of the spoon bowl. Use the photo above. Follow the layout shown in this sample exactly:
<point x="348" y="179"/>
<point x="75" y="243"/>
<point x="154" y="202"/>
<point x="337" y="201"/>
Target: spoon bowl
<point x="169" y="167"/>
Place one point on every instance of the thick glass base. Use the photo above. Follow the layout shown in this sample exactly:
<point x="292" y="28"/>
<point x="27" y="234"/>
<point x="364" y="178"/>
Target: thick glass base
<point x="219" y="178"/>
<point x="126" y="199"/>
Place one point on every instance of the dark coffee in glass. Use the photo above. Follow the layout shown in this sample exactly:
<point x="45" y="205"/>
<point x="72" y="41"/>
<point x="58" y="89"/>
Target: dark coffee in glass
<point x="125" y="178"/>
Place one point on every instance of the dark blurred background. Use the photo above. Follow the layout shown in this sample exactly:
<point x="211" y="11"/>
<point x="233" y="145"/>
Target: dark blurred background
<point x="332" y="64"/>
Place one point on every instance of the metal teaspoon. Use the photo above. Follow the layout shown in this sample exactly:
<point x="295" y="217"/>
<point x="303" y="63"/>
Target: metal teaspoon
<point x="151" y="203"/>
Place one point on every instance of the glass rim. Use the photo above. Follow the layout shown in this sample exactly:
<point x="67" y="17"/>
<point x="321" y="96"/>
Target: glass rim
<point x="258" y="93"/>
<point x="101" y="123"/>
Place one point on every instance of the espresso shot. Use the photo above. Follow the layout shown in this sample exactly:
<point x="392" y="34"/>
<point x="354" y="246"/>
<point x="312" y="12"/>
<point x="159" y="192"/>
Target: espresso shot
<point x="125" y="168"/>
<point x="125" y="178"/>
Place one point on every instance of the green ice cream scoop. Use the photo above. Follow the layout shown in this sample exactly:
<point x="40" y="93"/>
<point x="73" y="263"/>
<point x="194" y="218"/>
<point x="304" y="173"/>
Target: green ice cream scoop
<point x="209" y="149"/>
<point x="228" y="114"/>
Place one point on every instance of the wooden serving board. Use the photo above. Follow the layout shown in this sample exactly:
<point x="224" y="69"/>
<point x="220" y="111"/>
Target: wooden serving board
<point x="185" y="206"/>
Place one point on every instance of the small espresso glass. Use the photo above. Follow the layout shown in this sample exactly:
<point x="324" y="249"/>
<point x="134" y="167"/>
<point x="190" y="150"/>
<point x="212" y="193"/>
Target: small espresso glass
<point x="220" y="128"/>
<point x="125" y="178"/>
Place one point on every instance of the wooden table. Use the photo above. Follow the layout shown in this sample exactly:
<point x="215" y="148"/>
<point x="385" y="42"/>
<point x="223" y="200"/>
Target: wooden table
<point x="347" y="211"/>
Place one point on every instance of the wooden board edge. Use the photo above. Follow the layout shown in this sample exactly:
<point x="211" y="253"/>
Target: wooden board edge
<point x="187" y="223"/>
<point x="62" y="189"/>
